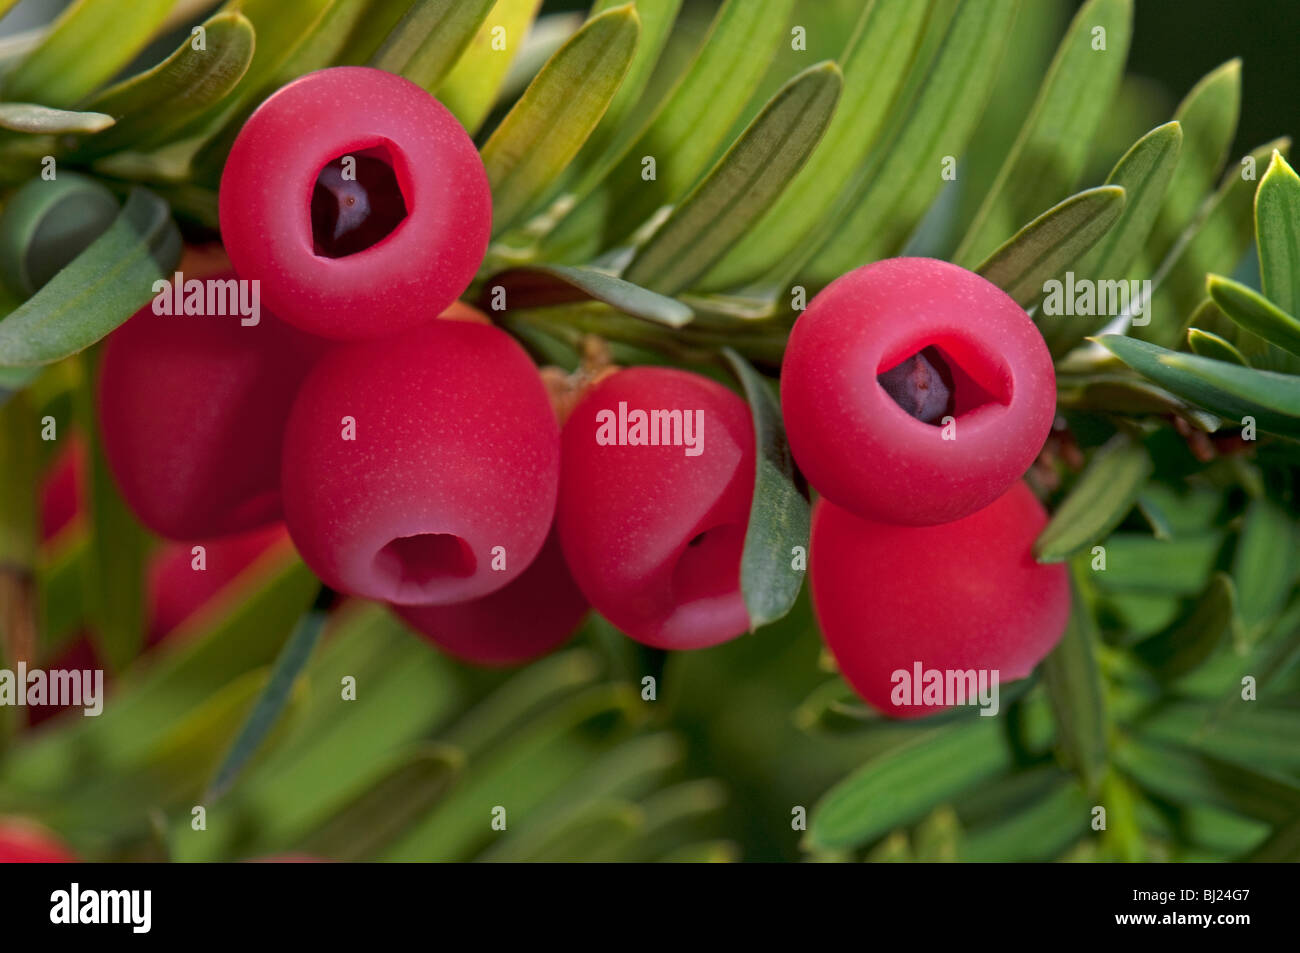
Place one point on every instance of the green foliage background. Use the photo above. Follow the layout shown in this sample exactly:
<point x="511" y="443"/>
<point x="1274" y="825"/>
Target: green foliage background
<point x="776" y="168"/>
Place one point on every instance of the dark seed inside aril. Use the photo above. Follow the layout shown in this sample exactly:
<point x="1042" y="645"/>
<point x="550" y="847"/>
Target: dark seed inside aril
<point x="350" y="214"/>
<point x="921" y="385"/>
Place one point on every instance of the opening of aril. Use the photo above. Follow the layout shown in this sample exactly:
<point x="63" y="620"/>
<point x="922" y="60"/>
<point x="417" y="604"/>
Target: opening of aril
<point x="710" y="564"/>
<point x="426" y="557"/>
<point x="930" y="385"/>
<point x="356" y="203"/>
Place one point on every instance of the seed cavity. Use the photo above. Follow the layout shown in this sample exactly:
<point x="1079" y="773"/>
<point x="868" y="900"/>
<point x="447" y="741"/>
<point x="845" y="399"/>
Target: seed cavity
<point x="921" y="385"/>
<point x="355" y="204"/>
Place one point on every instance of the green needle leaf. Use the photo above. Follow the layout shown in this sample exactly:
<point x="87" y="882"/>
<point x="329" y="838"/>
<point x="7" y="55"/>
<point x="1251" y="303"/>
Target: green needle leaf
<point x="406" y="692"/>
<point x="1074" y="690"/>
<point x="89" y="43"/>
<point x="1185" y="777"/>
<point x="1051" y="243"/>
<point x="19" y="521"/>
<point x="1141" y="563"/>
<point x="876" y="63"/>
<point x="47" y="224"/>
<point x="61" y="585"/>
<point x="1048" y="156"/>
<point x="472" y="86"/>
<point x="520" y="699"/>
<point x="617" y="128"/>
<point x="172" y="770"/>
<point x="1264" y="566"/>
<point x="684" y="135"/>
<point x="1099" y="501"/>
<point x="560" y="108"/>
<point x="1277" y="233"/>
<point x="14" y="379"/>
<point x="778" y="517"/>
<point x="1035" y="831"/>
<point x="103" y="286"/>
<point x="1215" y="241"/>
<point x="1208" y="316"/>
<point x="705" y="852"/>
<point x="904" y="783"/>
<point x="532" y="765"/>
<point x="742" y="185"/>
<point x="147" y="700"/>
<point x="1243" y="733"/>
<point x="1144" y="173"/>
<point x="940" y="121"/>
<point x="119" y="545"/>
<point x="1208" y="117"/>
<point x="1133" y="397"/>
<point x="181" y="87"/>
<point x="377" y="816"/>
<point x="832" y="707"/>
<point x="1254" y="313"/>
<point x="27" y="117"/>
<point x="289" y="665"/>
<point x="589" y="833"/>
<point x="1193" y="639"/>
<point x="425" y="45"/>
<point x="290" y="40"/>
<point x="539" y="286"/>
<point x="1209" y="344"/>
<point x="1230" y="391"/>
<point x="369" y="31"/>
<point x="1282" y="847"/>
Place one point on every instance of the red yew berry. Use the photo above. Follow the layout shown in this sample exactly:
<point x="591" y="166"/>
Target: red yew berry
<point x="177" y="590"/>
<point x="654" y="500"/>
<point x="192" y="409"/>
<point x="63" y="489"/>
<point x="22" y="842"/>
<point x="358" y="201"/>
<point x="915" y="391"/>
<point x="959" y="596"/>
<point x="534" y="615"/>
<point x="422" y="468"/>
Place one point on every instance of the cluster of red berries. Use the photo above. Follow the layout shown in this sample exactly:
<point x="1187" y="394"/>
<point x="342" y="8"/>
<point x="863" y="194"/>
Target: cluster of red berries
<point x="415" y="458"/>
<point x="418" y="460"/>
<point x="915" y="395"/>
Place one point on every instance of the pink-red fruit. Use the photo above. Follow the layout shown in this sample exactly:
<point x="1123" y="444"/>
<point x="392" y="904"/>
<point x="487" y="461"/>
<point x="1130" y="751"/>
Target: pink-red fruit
<point x="422" y="468"/>
<point x="22" y="842"/>
<point x="959" y="596"/>
<point x="915" y="391"/>
<point x="63" y="489"/>
<point x="192" y="411"/>
<point x="177" y="590"/>
<point x="358" y="201"/>
<point x="652" y="515"/>
<point x="530" y="617"/>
